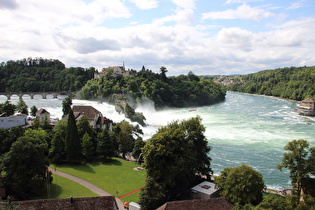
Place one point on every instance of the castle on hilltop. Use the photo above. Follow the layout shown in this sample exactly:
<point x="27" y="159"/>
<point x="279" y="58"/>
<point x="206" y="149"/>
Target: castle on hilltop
<point x="116" y="70"/>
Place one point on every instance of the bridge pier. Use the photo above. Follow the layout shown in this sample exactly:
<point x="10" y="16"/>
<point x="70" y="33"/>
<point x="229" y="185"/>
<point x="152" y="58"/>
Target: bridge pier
<point x="32" y="94"/>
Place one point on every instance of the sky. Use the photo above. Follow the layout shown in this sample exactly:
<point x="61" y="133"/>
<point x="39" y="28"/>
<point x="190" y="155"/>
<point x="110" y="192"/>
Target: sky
<point x="206" y="37"/>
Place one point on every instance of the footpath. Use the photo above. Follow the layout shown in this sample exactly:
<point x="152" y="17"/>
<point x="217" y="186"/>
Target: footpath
<point x="88" y="185"/>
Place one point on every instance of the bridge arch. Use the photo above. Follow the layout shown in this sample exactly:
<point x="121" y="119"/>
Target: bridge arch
<point x="32" y="94"/>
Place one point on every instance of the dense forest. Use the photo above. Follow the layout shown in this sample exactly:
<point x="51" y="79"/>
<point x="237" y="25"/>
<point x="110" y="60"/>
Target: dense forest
<point x="295" y="83"/>
<point x="38" y="74"/>
<point x="179" y="91"/>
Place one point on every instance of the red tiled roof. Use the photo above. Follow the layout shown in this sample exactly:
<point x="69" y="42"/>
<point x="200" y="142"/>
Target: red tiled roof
<point x="203" y="204"/>
<point x="93" y="203"/>
<point x="89" y="111"/>
<point x="308" y="100"/>
<point x="41" y="111"/>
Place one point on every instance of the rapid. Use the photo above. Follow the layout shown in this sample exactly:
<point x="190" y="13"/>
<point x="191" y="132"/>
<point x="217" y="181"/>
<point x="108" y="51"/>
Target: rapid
<point x="244" y="129"/>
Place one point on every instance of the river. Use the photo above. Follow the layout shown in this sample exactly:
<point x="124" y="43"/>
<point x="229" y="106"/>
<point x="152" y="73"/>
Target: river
<point x="244" y="129"/>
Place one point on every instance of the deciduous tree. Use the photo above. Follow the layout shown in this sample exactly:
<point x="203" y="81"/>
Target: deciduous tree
<point x="172" y="162"/>
<point x="300" y="160"/>
<point x="241" y="185"/>
<point x="25" y="166"/>
<point x="22" y="107"/>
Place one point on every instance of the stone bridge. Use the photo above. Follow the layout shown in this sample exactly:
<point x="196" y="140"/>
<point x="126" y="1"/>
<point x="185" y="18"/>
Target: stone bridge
<point x="32" y="94"/>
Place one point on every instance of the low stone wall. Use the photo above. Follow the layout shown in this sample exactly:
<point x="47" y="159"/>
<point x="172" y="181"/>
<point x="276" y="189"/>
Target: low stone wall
<point x="91" y="203"/>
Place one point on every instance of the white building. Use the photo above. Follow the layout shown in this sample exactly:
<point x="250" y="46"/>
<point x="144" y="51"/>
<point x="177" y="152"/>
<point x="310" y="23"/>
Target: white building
<point x="204" y="190"/>
<point x="42" y="115"/>
<point x="13" y="121"/>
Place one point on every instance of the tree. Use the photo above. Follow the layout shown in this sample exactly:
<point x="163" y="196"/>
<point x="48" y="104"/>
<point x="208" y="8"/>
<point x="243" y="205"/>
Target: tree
<point x="25" y="166"/>
<point x="22" y="107"/>
<point x="124" y="132"/>
<point x="163" y="71"/>
<point x="241" y="185"/>
<point x="105" y="145"/>
<point x="300" y="161"/>
<point x="66" y="105"/>
<point x="171" y="161"/>
<point x="33" y="111"/>
<point x="7" y="108"/>
<point x="274" y="202"/>
<point x="57" y="153"/>
<point x="73" y="143"/>
<point x="137" y="149"/>
<point x="198" y="145"/>
<point x="87" y="147"/>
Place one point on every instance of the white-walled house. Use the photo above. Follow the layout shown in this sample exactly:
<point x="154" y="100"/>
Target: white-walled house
<point x="43" y="114"/>
<point x="13" y="121"/>
<point x="94" y="117"/>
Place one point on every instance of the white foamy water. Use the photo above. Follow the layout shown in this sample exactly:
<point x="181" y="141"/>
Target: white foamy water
<point x="244" y="129"/>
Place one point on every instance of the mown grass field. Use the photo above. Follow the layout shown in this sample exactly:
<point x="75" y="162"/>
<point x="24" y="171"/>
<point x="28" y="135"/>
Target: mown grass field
<point x="64" y="188"/>
<point x="117" y="177"/>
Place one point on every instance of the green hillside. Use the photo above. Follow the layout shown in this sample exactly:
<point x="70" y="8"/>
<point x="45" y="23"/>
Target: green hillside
<point x="294" y="83"/>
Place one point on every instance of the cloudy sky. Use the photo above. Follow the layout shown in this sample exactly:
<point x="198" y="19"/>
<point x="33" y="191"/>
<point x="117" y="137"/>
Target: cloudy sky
<point x="203" y="36"/>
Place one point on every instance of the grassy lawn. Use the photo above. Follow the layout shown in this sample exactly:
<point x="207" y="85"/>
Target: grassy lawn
<point x="64" y="188"/>
<point x="117" y="175"/>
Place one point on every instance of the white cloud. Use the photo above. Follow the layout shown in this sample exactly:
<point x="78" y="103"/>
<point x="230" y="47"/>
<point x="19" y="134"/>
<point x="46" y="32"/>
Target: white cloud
<point x="72" y="32"/>
<point x="145" y="4"/>
<point x="242" y="12"/>
<point x="241" y="1"/>
<point x="296" y="5"/>
<point x="181" y="16"/>
<point x="185" y="4"/>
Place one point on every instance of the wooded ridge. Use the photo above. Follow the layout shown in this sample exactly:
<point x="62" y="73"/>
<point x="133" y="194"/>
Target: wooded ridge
<point x="296" y="83"/>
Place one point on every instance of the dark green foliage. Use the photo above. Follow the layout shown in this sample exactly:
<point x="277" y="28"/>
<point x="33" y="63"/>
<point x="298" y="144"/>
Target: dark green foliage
<point x="295" y="83"/>
<point x="57" y="153"/>
<point x="7" y="108"/>
<point x="66" y="105"/>
<point x="172" y="162"/>
<point x="87" y="147"/>
<point x="274" y="202"/>
<point x="8" y="137"/>
<point x="124" y="133"/>
<point x="133" y="115"/>
<point x="137" y="149"/>
<point x="173" y="91"/>
<point x="241" y="185"/>
<point x="73" y="143"/>
<point x="84" y="126"/>
<point x="33" y="111"/>
<point x="38" y="74"/>
<point x="299" y="159"/>
<point x="105" y="145"/>
<point x="25" y="166"/>
<point x="22" y="107"/>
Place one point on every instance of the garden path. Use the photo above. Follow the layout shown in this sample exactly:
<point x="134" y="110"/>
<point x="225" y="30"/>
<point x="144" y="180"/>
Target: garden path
<point x="87" y="184"/>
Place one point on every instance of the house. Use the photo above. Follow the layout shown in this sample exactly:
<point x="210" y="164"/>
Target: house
<point x="94" y="117"/>
<point x="13" y="121"/>
<point x="117" y="70"/>
<point x="101" y="202"/>
<point x="42" y="115"/>
<point x="204" y="190"/>
<point x="307" y="107"/>
<point x="203" y="204"/>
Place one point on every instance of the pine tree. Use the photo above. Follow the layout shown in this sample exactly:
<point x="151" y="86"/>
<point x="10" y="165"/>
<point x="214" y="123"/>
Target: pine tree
<point x="73" y="144"/>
